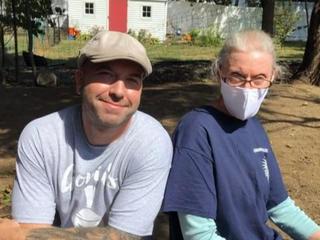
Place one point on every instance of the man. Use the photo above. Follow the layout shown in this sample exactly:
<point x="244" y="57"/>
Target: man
<point x="102" y="164"/>
<point x="225" y="182"/>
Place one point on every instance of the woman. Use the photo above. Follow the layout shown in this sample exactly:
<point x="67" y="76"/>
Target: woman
<point x="225" y="182"/>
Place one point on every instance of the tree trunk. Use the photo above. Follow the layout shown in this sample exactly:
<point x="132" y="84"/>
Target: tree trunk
<point x="2" y="35"/>
<point x="30" y="48"/>
<point x="2" y="80"/>
<point x="16" y="61"/>
<point x="30" y="43"/>
<point x="307" y="12"/>
<point x="309" y="69"/>
<point x="267" y="16"/>
<point x="2" y="46"/>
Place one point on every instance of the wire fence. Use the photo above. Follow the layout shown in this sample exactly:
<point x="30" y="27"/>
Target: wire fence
<point x="54" y="53"/>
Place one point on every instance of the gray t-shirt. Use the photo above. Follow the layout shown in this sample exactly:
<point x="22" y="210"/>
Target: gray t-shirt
<point x="120" y="184"/>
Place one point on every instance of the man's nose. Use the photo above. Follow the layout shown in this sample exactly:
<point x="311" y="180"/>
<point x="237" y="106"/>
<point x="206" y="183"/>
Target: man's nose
<point x="117" y="89"/>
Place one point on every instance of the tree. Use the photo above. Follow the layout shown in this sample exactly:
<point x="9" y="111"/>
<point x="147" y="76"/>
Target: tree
<point x="218" y="2"/>
<point x="309" y="69"/>
<point x="7" y="20"/>
<point x="3" y="24"/>
<point x="14" y="20"/>
<point x="267" y="16"/>
<point x="29" y="14"/>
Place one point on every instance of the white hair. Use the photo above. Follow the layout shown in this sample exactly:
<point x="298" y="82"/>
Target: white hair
<point x="246" y="41"/>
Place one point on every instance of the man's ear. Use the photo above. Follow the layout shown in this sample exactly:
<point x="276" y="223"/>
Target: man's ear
<point x="79" y="81"/>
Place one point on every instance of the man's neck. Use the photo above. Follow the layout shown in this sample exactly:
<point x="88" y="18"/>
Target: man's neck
<point x="103" y="135"/>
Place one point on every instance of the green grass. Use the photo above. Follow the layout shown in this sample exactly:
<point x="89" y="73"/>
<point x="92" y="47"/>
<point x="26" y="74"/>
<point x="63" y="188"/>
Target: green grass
<point x="180" y="52"/>
<point x="291" y="51"/>
<point x="67" y="50"/>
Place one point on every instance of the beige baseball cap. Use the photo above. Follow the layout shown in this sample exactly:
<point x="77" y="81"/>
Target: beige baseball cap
<point x="110" y="45"/>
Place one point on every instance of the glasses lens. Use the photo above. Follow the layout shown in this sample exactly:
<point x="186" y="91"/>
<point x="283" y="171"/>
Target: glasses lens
<point x="260" y="83"/>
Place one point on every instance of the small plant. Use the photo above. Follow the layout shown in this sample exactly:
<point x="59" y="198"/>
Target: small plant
<point x="84" y="36"/>
<point x="285" y="20"/>
<point x="95" y="29"/>
<point x="206" y="37"/>
<point x="210" y="37"/>
<point x="5" y="196"/>
<point x="194" y="35"/>
<point x="145" y="38"/>
<point x="132" y="33"/>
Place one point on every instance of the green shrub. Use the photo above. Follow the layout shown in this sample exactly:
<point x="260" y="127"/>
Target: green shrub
<point x="285" y="20"/>
<point x="194" y="35"/>
<point x="84" y="36"/>
<point x="206" y="37"/>
<point x="144" y="37"/>
<point x="132" y="33"/>
<point x="94" y="30"/>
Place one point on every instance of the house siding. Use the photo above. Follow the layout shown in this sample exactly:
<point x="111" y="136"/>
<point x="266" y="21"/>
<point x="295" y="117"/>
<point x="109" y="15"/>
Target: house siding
<point x="156" y="25"/>
<point x="86" y="22"/>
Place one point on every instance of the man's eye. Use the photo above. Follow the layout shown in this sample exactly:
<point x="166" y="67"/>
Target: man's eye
<point x="134" y="80"/>
<point x="107" y="74"/>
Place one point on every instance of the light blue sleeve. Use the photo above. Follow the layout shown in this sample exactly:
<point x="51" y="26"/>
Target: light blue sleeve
<point x="198" y="228"/>
<point x="293" y="220"/>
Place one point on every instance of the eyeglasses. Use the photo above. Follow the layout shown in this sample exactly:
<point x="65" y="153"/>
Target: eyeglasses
<point x="240" y="81"/>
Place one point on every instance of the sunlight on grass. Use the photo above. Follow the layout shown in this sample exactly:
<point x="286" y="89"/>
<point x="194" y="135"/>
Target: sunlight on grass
<point x="64" y="50"/>
<point x="67" y="50"/>
<point x="181" y="52"/>
<point x="291" y="51"/>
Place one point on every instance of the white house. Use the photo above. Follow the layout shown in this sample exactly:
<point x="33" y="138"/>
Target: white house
<point x="119" y="15"/>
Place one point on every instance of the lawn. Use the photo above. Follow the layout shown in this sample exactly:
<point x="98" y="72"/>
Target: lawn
<point x="67" y="50"/>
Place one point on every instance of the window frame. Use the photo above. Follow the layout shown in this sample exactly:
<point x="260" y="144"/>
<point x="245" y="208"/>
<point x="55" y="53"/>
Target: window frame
<point x="90" y="8"/>
<point x="146" y="11"/>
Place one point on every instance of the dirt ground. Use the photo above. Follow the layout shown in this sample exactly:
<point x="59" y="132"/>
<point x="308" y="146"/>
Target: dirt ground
<point x="290" y="114"/>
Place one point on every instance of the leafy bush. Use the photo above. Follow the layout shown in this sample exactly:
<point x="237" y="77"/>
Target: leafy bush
<point x="95" y="29"/>
<point x="194" y="35"/>
<point x="285" y="20"/>
<point x="132" y="33"/>
<point x="206" y="37"/>
<point x="144" y="37"/>
<point x="84" y="36"/>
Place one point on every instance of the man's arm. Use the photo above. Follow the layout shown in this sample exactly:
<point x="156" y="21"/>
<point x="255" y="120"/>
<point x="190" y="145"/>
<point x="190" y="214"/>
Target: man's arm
<point x="10" y="229"/>
<point x="105" y="233"/>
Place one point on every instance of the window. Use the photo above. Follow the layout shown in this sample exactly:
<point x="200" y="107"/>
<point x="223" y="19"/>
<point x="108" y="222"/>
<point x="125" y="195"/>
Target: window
<point x="89" y="8"/>
<point x="146" y="11"/>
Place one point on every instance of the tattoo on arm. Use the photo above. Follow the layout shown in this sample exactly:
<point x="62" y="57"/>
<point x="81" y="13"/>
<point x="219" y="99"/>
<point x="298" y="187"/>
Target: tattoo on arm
<point x="97" y="233"/>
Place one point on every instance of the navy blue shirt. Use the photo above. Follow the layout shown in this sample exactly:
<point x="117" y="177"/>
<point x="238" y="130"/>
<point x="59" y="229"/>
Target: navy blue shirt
<point x="224" y="168"/>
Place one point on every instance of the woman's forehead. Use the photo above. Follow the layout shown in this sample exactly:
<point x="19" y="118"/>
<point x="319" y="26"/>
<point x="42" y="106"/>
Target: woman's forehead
<point x="249" y="60"/>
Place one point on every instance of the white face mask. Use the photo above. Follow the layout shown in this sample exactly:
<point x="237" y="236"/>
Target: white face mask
<point x="242" y="103"/>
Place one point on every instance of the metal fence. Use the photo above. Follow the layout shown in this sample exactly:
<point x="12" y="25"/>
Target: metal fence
<point x="54" y="53"/>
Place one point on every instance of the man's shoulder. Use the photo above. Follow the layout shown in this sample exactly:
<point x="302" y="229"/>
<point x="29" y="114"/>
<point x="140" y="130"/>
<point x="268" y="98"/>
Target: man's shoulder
<point x="147" y="130"/>
<point x="55" y="117"/>
<point x="146" y="122"/>
<point x="149" y="143"/>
